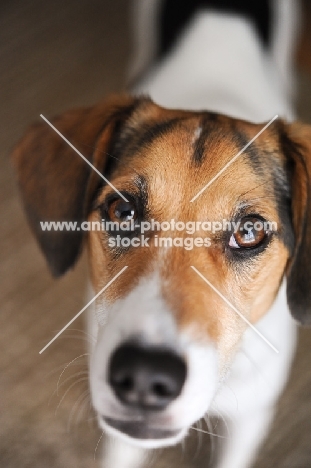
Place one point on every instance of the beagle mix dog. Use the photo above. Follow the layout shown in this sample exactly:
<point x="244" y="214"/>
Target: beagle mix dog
<point x="171" y="347"/>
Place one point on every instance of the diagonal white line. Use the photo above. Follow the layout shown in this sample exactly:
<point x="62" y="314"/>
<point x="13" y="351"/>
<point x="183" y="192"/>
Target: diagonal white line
<point x="233" y="159"/>
<point x="82" y="310"/>
<point x="83" y="157"/>
<point x="235" y="309"/>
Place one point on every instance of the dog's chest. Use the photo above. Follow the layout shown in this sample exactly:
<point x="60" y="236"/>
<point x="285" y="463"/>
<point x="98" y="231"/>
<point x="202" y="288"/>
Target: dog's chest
<point x="219" y="64"/>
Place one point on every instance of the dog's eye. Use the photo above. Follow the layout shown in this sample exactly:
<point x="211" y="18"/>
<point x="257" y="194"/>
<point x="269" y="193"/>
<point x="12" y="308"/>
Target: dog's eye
<point x="119" y="211"/>
<point x="250" y="233"/>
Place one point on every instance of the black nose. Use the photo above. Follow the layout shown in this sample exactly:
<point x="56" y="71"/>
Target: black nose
<point x="146" y="378"/>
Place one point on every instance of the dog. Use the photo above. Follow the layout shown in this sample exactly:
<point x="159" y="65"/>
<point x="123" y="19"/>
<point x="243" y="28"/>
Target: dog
<point x="176" y="326"/>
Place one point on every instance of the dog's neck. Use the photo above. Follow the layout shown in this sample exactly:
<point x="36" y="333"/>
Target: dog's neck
<point x="205" y="71"/>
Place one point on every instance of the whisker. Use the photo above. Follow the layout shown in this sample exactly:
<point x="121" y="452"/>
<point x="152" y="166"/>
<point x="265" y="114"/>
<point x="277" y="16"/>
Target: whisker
<point x="207" y="420"/>
<point x="57" y="369"/>
<point x="90" y="419"/>
<point x="66" y="367"/>
<point x="199" y="438"/>
<point x="212" y="439"/>
<point x="98" y="445"/>
<point x="75" y="337"/>
<point x="183" y="443"/>
<point x="79" y="400"/>
<point x="76" y="374"/>
<point x="234" y="395"/>
<point x="85" y="406"/>
<point x="91" y="338"/>
<point x="84" y="379"/>
<point x="222" y="418"/>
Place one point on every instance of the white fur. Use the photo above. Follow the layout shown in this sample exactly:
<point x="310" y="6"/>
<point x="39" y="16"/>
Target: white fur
<point x="257" y="377"/>
<point x="246" y="397"/>
<point x="205" y="72"/>
<point x="119" y="454"/>
<point x="143" y="313"/>
<point x="219" y="65"/>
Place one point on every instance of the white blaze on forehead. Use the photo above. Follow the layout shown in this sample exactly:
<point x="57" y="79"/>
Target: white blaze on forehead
<point x="197" y="133"/>
<point x="142" y="312"/>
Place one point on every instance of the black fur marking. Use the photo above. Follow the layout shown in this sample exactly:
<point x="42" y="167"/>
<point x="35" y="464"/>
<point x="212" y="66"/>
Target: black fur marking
<point x="131" y="140"/>
<point x="151" y="132"/>
<point x="258" y="160"/>
<point x="283" y="203"/>
<point x="175" y="15"/>
<point x="142" y="185"/>
<point x="298" y="281"/>
<point x="281" y="190"/>
<point x="199" y="146"/>
<point x="253" y="153"/>
<point x="113" y="150"/>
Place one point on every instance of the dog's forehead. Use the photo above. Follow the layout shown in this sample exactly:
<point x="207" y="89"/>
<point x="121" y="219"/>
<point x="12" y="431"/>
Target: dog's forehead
<point x="179" y="152"/>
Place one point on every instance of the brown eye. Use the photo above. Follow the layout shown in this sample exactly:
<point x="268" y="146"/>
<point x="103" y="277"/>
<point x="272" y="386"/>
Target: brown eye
<point x="250" y="233"/>
<point x="121" y="211"/>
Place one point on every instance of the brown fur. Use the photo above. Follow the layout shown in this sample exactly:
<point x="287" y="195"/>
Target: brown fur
<point x="158" y="144"/>
<point x="167" y="166"/>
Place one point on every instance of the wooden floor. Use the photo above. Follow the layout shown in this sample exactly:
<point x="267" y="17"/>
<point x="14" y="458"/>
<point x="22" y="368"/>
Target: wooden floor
<point x="55" y="55"/>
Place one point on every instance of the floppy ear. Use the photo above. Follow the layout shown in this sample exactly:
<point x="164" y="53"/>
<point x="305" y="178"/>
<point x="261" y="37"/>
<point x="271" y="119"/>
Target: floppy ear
<point x="56" y="184"/>
<point x="297" y="147"/>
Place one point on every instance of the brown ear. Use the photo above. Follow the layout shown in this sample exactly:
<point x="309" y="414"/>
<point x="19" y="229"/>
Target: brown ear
<point x="56" y="184"/>
<point x="297" y="147"/>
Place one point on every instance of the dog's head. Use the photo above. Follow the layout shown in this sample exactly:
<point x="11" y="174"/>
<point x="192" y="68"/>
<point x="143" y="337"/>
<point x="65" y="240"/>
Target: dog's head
<point x="165" y="337"/>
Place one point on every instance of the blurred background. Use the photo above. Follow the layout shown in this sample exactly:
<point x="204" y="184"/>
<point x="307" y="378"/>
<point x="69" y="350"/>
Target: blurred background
<point x="57" y="55"/>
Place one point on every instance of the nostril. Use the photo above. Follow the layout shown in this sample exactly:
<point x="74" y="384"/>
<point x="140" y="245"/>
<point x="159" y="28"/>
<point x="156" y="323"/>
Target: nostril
<point x="125" y="383"/>
<point x="148" y="378"/>
<point x="162" y="390"/>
